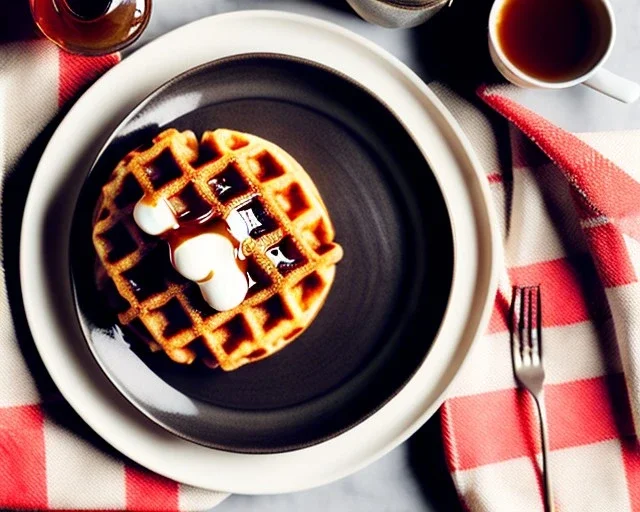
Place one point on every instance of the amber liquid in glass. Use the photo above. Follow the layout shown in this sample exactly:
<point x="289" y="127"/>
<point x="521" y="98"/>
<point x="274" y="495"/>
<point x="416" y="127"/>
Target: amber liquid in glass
<point x="91" y="27"/>
<point x="551" y="40"/>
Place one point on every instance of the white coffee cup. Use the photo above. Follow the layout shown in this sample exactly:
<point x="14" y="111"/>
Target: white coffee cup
<point x="596" y="77"/>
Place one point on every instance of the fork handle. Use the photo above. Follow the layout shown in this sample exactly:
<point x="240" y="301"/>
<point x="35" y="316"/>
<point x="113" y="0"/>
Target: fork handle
<point x="544" y="436"/>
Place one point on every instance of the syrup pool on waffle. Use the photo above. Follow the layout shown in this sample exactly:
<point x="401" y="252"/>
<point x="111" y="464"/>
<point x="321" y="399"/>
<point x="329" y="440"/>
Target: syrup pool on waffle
<point x="209" y="251"/>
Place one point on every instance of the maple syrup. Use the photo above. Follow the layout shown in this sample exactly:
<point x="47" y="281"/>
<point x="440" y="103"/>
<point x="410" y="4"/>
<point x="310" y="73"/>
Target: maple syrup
<point x="91" y="27"/>
<point x="551" y="40"/>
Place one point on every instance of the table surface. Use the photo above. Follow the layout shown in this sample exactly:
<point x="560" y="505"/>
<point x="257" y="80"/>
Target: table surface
<point x="451" y="48"/>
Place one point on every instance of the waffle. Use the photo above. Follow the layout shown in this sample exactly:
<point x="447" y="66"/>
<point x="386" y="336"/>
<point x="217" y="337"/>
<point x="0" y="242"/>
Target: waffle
<point x="226" y="170"/>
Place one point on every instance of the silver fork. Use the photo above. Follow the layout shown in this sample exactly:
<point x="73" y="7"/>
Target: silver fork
<point x="526" y="348"/>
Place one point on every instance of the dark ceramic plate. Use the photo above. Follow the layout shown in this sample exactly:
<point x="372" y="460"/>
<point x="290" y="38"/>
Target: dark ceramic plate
<point x="391" y="288"/>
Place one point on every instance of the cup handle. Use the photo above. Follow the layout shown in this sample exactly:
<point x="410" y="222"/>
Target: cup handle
<point x="615" y="86"/>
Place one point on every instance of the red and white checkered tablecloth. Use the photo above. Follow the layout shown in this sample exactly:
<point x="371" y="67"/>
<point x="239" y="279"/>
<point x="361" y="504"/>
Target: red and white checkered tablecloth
<point x="570" y="219"/>
<point x="572" y="226"/>
<point x="49" y="459"/>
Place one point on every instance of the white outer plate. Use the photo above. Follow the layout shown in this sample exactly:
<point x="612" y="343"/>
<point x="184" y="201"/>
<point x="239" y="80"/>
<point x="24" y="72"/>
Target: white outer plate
<point x="67" y="158"/>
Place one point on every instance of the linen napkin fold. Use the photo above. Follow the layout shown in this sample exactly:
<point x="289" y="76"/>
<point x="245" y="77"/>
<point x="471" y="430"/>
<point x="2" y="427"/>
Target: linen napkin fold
<point x="569" y="209"/>
<point x="49" y="459"/>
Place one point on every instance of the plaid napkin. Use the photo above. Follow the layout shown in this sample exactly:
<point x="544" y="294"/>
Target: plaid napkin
<point x="570" y="220"/>
<point x="49" y="459"/>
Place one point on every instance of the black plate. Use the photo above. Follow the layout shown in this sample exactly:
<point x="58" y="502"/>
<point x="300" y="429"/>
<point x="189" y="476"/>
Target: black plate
<point x="391" y="288"/>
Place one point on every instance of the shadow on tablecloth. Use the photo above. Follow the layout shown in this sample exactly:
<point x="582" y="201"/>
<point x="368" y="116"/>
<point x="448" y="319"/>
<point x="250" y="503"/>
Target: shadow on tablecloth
<point x="426" y="459"/>
<point x="16" y="23"/>
<point x="453" y="47"/>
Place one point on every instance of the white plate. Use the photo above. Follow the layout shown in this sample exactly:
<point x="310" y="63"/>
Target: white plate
<point x="44" y="256"/>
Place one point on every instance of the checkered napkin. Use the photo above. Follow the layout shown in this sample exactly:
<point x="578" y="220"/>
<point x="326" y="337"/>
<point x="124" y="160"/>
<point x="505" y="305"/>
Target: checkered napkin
<point x="49" y="459"/>
<point x="569" y="210"/>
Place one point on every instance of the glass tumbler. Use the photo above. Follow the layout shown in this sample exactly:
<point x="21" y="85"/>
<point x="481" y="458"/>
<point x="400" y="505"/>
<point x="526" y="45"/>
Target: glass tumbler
<point x="91" y="27"/>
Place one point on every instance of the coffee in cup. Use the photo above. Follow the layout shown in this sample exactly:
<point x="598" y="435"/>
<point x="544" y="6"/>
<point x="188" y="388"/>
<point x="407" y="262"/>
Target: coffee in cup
<point x="555" y="44"/>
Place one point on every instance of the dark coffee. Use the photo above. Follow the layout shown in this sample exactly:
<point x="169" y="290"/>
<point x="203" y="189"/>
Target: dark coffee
<point x="553" y="40"/>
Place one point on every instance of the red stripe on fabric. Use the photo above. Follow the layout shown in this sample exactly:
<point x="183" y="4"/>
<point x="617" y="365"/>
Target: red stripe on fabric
<point x="571" y="290"/>
<point x="588" y="411"/>
<point x="500" y="313"/>
<point x="631" y="461"/>
<point x="148" y="491"/>
<point x="499" y="317"/>
<point x="76" y="73"/>
<point x="605" y="185"/>
<point x="23" y="478"/>
<point x="610" y="254"/>
<point x="83" y="510"/>
<point x="450" y="443"/>
<point x="502" y="425"/>
<point x="494" y="177"/>
<point x="486" y="428"/>
<point x="630" y="227"/>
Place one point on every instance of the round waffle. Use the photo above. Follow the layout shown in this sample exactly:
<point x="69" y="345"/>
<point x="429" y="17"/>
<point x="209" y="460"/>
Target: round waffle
<point x="291" y="253"/>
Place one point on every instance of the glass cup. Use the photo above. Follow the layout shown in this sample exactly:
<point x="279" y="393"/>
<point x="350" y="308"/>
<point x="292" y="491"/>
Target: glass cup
<point x="91" y="27"/>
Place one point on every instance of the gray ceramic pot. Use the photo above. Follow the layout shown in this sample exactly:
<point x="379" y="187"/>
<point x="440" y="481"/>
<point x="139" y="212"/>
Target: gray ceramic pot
<point x="397" y="13"/>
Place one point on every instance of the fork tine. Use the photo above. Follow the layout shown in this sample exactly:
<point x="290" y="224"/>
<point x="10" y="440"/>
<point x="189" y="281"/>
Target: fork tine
<point x="539" y="319"/>
<point x="516" y="328"/>
<point x="535" y="325"/>
<point x="531" y="332"/>
<point x="525" y="330"/>
<point x="521" y="312"/>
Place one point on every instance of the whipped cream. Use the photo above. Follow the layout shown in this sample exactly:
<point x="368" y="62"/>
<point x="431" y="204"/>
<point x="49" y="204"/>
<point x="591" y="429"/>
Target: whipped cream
<point x="208" y="258"/>
<point x="154" y="219"/>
